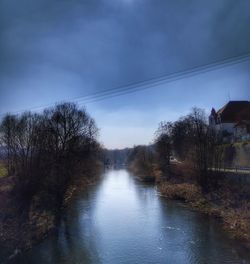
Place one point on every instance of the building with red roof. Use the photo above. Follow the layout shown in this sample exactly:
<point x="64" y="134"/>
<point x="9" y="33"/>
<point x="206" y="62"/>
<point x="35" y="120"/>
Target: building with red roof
<point x="232" y="120"/>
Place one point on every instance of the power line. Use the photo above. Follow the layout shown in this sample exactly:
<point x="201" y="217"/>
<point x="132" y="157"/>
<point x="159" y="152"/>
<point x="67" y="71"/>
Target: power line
<point x="171" y="77"/>
<point x="167" y="79"/>
<point x="152" y="82"/>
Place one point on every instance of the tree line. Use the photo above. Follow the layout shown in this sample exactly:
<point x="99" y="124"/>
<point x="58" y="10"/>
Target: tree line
<point x="47" y="151"/>
<point x="188" y="140"/>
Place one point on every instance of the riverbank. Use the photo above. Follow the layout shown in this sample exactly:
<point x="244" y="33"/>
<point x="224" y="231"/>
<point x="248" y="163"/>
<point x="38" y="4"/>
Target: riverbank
<point x="233" y="212"/>
<point x="227" y="201"/>
<point x="122" y="220"/>
<point x="20" y="232"/>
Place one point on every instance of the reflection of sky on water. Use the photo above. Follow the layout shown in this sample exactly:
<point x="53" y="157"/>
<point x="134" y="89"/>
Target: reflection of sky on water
<point x="122" y="220"/>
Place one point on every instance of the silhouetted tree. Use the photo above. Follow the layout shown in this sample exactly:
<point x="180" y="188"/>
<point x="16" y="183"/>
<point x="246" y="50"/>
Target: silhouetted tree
<point x="192" y="140"/>
<point x="163" y="146"/>
<point x="47" y="151"/>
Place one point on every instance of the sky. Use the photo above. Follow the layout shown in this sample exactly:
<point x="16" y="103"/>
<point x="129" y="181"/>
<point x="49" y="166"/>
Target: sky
<point x="57" y="50"/>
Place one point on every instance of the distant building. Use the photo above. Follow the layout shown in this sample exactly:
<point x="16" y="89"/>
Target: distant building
<point x="232" y="120"/>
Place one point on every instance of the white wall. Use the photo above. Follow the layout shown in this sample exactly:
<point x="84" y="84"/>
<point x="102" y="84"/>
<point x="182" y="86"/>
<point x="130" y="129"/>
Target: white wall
<point x="229" y="127"/>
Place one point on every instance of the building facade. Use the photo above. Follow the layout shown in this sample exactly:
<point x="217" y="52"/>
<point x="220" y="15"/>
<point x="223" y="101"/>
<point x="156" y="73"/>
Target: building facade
<point x="232" y="121"/>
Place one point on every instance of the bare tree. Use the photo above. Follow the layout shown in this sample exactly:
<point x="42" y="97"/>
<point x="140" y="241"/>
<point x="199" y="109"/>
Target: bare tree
<point x="45" y="151"/>
<point x="163" y="143"/>
<point x="192" y="140"/>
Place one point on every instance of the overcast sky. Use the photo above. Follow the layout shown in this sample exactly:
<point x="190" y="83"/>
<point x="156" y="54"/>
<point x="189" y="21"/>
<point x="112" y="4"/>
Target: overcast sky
<point x="56" y="50"/>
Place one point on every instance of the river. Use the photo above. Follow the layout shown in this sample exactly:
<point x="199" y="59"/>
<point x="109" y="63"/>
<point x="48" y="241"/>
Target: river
<point x="121" y="220"/>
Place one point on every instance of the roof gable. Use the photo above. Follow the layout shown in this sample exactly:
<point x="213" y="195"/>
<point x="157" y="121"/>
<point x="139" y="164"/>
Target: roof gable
<point x="235" y="111"/>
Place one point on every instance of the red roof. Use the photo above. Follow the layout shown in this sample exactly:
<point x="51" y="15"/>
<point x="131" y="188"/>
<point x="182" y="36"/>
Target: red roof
<point x="235" y="111"/>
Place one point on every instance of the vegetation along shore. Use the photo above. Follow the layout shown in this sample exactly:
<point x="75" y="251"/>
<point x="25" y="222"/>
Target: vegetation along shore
<point x="189" y="162"/>
<point x="45" y="159"/>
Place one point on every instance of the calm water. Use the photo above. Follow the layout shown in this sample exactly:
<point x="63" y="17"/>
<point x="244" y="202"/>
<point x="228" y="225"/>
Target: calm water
<point x="123" y="221"/>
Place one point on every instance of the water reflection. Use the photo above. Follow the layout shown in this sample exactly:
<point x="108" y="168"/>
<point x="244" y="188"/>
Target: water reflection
<point x="121" y="220"/>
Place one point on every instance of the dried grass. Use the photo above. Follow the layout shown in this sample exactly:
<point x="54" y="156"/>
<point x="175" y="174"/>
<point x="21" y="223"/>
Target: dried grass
<point x="234" y="213"/>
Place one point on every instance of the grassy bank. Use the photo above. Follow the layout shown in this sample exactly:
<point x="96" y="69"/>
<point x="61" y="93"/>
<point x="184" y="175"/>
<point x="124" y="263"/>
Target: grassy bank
<point x="229" y="203"/>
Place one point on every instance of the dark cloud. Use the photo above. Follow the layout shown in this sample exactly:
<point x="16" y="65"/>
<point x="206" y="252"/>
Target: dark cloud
<point x="85" y="45"/>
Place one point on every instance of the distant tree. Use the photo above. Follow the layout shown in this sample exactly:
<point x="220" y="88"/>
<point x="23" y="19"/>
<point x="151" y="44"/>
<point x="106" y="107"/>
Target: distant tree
<point x="163" y="145"/>
<point x="204" y="141"/>
<point x="7" y="136"/>
<point x="142" y="158"/>
<point x="181" y="134"/>
<point x="192" y="140"/>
